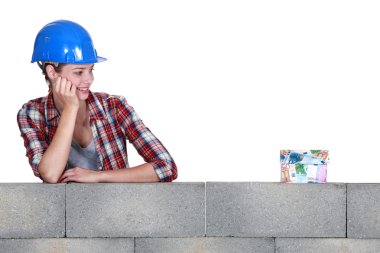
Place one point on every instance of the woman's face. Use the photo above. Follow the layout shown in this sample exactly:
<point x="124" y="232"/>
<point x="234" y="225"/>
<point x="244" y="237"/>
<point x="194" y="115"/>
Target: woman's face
<point x="79" y="75"/>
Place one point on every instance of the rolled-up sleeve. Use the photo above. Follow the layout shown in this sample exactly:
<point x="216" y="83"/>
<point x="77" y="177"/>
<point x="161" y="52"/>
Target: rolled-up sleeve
<point x="34" y="140"/>
<point x="146" y="144"/>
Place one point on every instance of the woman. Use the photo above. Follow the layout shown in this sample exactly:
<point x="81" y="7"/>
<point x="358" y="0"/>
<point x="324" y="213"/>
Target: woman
<point x="75" y="135"/>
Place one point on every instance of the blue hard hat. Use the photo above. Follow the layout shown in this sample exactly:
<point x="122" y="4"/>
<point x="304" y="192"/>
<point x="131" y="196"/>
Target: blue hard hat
<point x="64" y="41"/>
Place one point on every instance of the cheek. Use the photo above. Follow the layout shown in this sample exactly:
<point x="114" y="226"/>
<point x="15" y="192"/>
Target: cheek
<point x="72" y="78"/>
<point x="75" y="81"/>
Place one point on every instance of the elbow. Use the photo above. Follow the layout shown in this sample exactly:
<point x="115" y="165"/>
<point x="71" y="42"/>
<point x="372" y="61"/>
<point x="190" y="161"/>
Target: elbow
<point x="50" y="180"/>
<point x="166" y="170"/>
<point x="172" y="174"/>
<point x="49" y="177"/>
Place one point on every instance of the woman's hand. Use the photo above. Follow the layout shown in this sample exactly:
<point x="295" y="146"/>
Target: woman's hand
<point x="78" y="174"/>
<point x="64" y="93"/>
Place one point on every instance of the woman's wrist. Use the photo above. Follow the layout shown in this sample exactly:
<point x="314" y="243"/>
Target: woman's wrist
<point x="102" y="177"/>
<point x="72" y="109"/>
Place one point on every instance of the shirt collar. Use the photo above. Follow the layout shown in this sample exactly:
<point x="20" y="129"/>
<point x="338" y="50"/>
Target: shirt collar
<point x="96" y="109"/>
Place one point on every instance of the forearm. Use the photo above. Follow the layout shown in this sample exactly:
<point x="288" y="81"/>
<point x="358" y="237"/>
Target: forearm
<point x="55" y="157"/>
<point x="141" y="173"/>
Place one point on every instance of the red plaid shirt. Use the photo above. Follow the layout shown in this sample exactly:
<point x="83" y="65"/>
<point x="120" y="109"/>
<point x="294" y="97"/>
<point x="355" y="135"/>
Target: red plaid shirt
<point x="112" y="122"/>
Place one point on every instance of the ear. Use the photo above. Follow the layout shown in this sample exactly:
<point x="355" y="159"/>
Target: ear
<point x="51" y="73"/>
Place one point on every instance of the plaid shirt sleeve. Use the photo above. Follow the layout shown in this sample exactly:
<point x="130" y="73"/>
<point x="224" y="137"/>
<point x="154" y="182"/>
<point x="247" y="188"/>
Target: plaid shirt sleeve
<point x="29" y="120"/>
<point x="146" y="144"/>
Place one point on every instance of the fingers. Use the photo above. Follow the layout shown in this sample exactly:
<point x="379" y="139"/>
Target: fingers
<point x="65" y="176"/>
<point x="70" y="175"/>
<point x="68" y="88"/>
<point x="65" y="180"/>
<point x="73" y="89"/>
<point x="64" y="87"/>
<point x="80" y="175"/>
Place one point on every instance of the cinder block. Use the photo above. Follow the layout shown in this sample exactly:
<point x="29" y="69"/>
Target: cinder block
<point x="32" y="210"/>
<point x="275" y="210"/>
<point x="326" y="245"/>
<point x="68" y="245"/>
<point x="363" y="210"/>
<point x="204" y="245"/>
<point x="135" y="210"/>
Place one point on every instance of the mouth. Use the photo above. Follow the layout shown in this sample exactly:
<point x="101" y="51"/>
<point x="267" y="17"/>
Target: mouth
<point x="83" y="89"/>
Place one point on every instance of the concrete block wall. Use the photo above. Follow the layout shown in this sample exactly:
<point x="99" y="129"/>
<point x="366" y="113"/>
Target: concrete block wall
<point x="190" y="217"/>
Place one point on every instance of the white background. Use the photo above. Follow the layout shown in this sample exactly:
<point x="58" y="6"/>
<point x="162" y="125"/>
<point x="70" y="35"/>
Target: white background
<point x="223" y="84"/>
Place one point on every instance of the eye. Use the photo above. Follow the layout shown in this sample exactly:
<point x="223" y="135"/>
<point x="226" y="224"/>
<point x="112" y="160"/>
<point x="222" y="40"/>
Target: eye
<point x="78" y="73"/>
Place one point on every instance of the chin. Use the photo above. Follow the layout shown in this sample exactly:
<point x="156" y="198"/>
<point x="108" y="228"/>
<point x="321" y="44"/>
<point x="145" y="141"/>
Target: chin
<point x="82" y="96"/>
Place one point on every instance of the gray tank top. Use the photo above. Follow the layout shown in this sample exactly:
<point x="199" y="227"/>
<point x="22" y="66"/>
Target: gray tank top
<point x="85" y="158"/>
